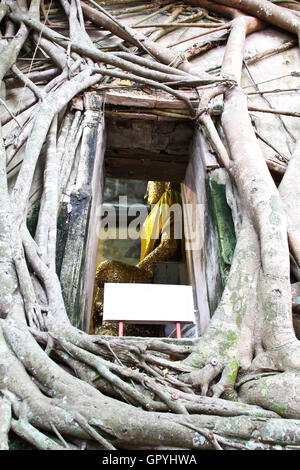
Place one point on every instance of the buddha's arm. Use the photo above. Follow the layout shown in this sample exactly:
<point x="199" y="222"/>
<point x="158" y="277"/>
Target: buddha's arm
<point x="165" y="251"/>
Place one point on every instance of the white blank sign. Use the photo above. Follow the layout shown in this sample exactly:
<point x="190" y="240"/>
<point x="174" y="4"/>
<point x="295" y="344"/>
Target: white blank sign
<point x="148" y="303"/>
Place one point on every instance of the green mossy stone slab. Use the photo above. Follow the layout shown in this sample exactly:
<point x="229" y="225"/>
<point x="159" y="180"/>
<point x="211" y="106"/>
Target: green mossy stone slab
<point x="223" y="222"/>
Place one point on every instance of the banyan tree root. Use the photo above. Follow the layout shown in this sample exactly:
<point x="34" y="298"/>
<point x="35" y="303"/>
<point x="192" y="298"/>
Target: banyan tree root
<point x="61" y="388"/>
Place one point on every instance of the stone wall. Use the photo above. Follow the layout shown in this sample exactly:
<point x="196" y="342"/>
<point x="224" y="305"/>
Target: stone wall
<point x="78" y="255"/>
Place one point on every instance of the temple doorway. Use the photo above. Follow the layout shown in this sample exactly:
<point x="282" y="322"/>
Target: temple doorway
<point x="127" y="208"/>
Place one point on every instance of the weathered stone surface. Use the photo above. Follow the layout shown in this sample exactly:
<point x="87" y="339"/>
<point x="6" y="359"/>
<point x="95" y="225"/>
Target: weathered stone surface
<point x="80" y="243"/>
<point x="163" y="136"/>
<point x="195" y="204"/>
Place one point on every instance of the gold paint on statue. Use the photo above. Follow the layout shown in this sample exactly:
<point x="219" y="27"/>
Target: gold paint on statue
<point x="157" y="244"/>
<point x="155" y="190"/>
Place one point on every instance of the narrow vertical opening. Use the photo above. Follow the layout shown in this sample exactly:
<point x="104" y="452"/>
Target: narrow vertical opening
<point x="139" y="152"/>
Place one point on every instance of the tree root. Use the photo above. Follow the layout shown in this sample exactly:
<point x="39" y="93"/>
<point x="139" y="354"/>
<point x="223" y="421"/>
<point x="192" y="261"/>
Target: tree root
<point x="221" y="350"/>
<point x="30" y="434"/>
<point x="5" y="413"/>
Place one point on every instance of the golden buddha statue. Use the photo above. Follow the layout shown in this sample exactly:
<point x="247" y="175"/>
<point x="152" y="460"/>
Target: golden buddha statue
<point x="158" y="243"/>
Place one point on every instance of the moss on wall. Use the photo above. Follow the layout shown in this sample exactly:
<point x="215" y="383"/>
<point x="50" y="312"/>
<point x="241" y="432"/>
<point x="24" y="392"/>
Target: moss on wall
<point x="222" y="222"/>
<point x="62" y="234"/>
